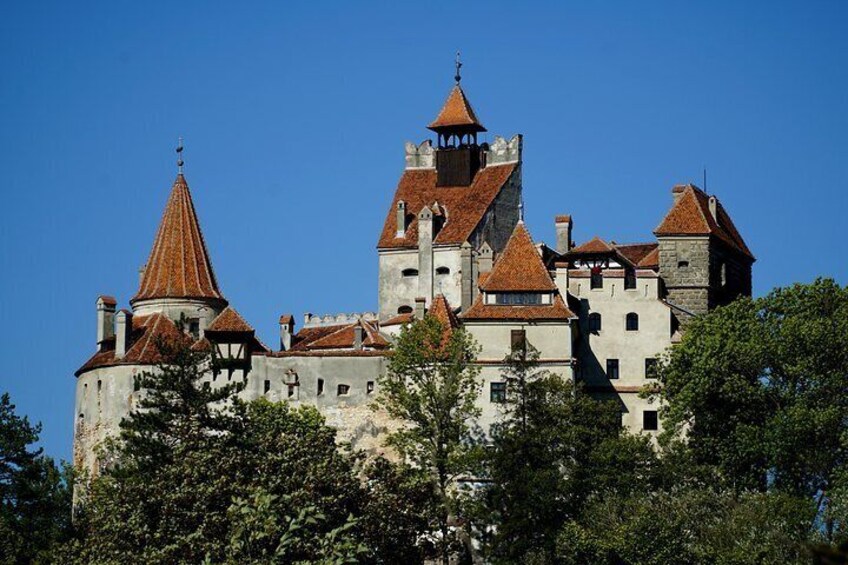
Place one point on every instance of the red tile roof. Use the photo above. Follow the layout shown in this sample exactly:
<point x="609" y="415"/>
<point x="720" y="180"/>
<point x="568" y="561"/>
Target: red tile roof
<point x="108" y="300"/>
<point x="465" y="205"/>
<point x="337" y="337"/>
<point x="456" y="112"/>
<point x="399" y="319"/>
<point x="690" y="215"/>
<point x="179" y="265"/>
<point x="538" y="312"/>
<point x="442" y="311"/>
<point x="519" y="268"/>
<point x="229" y="321"/>
<point x="286" y="319"/>
<point x="143" y="350"/>
<point x="594" y="245"/>
<point x="651" y="260"/>
<point x="635" y="252"/>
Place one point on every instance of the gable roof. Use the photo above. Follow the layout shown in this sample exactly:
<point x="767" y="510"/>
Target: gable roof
<point x="464" y="206"/>
<point x="594" y="245"/>
<point x="635" y="252"/>
<point x="229" y="321"/>
<point x="519" y="268"/>
<point x="442" y="311"/>
<point x="337" y="337"/>
<point x="179" y="264"/>
<point x="690" y="215"/>
<point x="457" y="112"/>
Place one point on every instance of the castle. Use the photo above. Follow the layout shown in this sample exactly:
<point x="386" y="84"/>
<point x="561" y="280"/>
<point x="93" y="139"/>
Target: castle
<point x="453" y="245"/>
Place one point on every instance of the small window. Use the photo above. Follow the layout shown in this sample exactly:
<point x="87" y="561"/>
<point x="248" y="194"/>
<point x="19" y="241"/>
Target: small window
<point x="683" y="264"/>
<point x="320" y="387"/>
<point x="518" y="298"/>
<point x="404" y="310"/>
<point x="649" y="420"/>
<point x="267" y="387"/>
<point x="612" y="369"/>
<point x="518" y="341"/>
<point x="597" y="280"/>
<point x="136" y="384"/>
<point x="651" y="368"/>
<point x="632" y="322"/>
<point x="99" y="386"/>
<point x="629" y="279"/>
<point x="343" y="390"/>
<point x="594" y="322"/>
<point x="194" y="327"/>
<point x="369" y="387"/>
<point x="442" y="271"/>
<point x="409" y="272"/>
<point x="497" y="393"/>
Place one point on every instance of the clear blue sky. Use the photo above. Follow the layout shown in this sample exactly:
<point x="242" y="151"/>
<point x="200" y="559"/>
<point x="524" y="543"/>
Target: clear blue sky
<point x="295" y="114"/>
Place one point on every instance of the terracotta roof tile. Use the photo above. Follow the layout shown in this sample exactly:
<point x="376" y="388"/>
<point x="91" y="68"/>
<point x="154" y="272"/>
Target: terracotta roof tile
<point x="286" y="319"/>
<point x="108" y="300"/>
<point x="594" y="245"/>
<point x="651" y="260"/>
<point x="229" y="321"/>
<point x="456" y="112"/>
<point x="465" y="205"/>
<point x="539" y="312"/>
<point x="338" y="337"/>
<point x="441" y="310"/>
<point x="690" y="215"/>
<point x="399" y="319"/>
<point x="179" y="265"/>
<point x="519" y="268"/>
<point x="635" y="252"/>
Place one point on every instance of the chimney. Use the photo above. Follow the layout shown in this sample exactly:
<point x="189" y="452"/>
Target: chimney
<point x="563" y="234"/>
<point x="485" y="258"/>
<point x="714" y="208"/>
<point x="358" y="336"/>
<point x="401" y="219"/>
<point x="307" y="317"/>
<point x="123" y="329"/>
<point x="425" y="252"/>
<point x="286" y="331"/>
<point x="105" y="318"/>
<point x="677" y="191"/>
<point x="419" y="307"/>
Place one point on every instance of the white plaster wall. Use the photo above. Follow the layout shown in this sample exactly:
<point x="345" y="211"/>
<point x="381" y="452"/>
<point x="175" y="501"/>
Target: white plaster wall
<point x="552" y="339"/>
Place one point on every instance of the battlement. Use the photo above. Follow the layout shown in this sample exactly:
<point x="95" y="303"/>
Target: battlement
<point x="311" y="320"/>
<point x="501" y="151"/>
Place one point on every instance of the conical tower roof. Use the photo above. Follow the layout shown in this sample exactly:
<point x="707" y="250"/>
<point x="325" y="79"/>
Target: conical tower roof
<point x="179" y="265"/>
<point x="457" y="113"/>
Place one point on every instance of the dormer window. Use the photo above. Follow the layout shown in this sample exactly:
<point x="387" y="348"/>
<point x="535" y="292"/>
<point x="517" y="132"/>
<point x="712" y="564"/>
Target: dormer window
<point x="409" y="273"/>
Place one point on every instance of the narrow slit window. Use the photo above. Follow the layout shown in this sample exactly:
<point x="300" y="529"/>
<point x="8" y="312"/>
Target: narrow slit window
<point x="267" y="387"/>
<point x="320" y="387"/>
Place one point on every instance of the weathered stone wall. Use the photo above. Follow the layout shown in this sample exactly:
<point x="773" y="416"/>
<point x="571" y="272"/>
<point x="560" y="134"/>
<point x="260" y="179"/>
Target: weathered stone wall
<point x="500" y="219"/>
<point x="687" y="285"/>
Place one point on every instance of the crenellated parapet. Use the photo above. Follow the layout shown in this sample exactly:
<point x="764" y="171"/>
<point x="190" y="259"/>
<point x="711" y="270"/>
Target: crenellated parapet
<point x="420" y="156"/>
<point x="315" y="320"/>
<point x="502" y="151"/>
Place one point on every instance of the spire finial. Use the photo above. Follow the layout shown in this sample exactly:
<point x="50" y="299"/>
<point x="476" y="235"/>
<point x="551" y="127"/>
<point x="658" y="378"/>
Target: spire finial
<point x="458" y="76"/>
<point x="180" y="162"/>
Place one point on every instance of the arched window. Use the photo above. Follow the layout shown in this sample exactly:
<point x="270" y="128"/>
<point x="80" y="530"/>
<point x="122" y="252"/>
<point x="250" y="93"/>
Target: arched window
<point x="442" y="271"/>
<point x="594" y="322"/>
<point x="409" y="272"/>
<point x="632" y="322"/>
<point x="405" y="310"/>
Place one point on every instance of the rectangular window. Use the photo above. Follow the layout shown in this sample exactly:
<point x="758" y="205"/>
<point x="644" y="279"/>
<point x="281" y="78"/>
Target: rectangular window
<point x="267" y="387"/>
<point x="343" y="390"/>
<point x="597" y="279"/>
<point x="649" y="420"/>
<point x="369" y="387"/>
<point x="518" y="341"/>
<point x="194" y="327"/>
<point x="612" y="369"/>
<point x="518" y="298"/>
<point x="497" y="393"/>
<point x="320" y="387"/>
<point x="136" y="384"/>
<point x="651" y="368"/>
<point x="629" y="279"/>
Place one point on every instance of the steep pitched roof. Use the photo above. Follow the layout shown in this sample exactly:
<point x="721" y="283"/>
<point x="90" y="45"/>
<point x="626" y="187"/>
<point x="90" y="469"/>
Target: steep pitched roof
<point x="179" y="264"/>
<point x="635" y="252"/>
<point x="229" y="321"/>
<point x="442" y="311"/>
<point x="465" y="206"/>
<point x="520" y="267"/>
<point x="457" y="112"/>
<point x="594" y="245"/>
<point x="690" y="215"/>
<point x="651" y="260"/>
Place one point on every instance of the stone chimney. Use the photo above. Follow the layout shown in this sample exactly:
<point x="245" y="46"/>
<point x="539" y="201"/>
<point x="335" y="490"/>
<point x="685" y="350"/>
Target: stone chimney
<point x="286" y="331"/>
<point x="420" y="302"/>
<point x="485" y="258"/>
<point x="425" y="253"/>
<point x="105" y="318"/>
<point x="123" y="331"/>
<point x="401" y="219"/>
<point x="677" y="191"/>
<point x="713" y="203"/>
<point x="468" y="278"/>
<point x="563" y="234"/>
<point x="358" y="336"/>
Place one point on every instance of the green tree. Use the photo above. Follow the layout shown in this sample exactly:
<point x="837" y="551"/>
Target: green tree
<point x="432" y="386"/>
<point x="759" y="389"/>
<point x="554" y="449"/>
<point x="35" y="498"/>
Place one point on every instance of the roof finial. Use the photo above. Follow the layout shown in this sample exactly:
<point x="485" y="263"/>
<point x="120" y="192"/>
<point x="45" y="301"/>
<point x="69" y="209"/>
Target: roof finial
<point x="180" y="162"/>
<point x="458" y="76"/>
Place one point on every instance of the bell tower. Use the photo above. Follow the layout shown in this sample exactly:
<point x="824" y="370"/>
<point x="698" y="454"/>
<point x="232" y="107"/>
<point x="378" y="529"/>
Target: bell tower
<point x="458" y="156"/>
